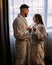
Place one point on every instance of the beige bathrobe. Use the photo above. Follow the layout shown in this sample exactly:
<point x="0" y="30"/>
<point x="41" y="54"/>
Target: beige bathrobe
<point x="38" y="38"/>
<point x="22" y="40"/>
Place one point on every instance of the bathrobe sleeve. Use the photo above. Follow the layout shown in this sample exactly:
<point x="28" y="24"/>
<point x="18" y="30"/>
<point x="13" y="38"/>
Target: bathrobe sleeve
<point x="40" y="33"/>
<point x="20" y="31"/>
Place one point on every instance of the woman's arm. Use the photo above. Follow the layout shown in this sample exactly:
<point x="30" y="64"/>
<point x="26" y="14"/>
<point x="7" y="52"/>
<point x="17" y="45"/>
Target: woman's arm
<point x="40" y="32"/>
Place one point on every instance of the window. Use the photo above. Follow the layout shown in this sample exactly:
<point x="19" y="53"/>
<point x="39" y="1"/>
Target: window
<point x="44" y="7"/>
<point x="36" y="6"/>
<point x="49" y="14"/>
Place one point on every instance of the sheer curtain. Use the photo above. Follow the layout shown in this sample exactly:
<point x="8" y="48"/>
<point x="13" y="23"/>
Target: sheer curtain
<point x="43" y="7"/>
<point x="36" y="6"/>
<point x="49" y="14"/>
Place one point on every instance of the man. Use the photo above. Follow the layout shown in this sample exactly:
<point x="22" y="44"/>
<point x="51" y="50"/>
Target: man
<point x="21" y="33"/>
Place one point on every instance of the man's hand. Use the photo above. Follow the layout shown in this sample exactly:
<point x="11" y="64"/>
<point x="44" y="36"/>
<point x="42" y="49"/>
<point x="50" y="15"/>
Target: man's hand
<point x="29" y="28"/>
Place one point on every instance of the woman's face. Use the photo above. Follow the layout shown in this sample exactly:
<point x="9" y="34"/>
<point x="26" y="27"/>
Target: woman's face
<point x="35" y="20"/>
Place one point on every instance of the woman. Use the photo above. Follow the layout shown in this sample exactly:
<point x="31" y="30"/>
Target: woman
<point x="38" y="38"/>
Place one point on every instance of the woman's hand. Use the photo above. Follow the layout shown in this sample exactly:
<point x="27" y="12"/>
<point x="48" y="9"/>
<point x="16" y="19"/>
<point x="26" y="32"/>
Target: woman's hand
<point x="34" y="28"/>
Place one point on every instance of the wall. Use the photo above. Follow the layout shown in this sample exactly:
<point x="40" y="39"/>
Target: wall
<point x="49" y="46"/>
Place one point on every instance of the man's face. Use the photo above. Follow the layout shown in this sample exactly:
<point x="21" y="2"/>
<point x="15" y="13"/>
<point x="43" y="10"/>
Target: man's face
<point x="25" y="11"/>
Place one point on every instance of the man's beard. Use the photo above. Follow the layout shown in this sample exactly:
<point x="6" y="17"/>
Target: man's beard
<point x="25" y="15"/>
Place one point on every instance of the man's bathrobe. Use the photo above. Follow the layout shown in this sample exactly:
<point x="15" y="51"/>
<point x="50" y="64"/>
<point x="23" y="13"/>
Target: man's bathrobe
<point x="22" y="40"/>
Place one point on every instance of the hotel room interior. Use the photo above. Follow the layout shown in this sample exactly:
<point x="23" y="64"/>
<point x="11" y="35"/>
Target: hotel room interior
<point x="9" y="9"/>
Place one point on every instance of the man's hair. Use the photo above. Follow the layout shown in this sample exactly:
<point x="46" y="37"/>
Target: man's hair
<point x="24" y="6"/>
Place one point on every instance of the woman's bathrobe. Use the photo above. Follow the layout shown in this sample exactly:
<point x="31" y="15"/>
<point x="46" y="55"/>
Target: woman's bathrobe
<point x="38" y="38"/>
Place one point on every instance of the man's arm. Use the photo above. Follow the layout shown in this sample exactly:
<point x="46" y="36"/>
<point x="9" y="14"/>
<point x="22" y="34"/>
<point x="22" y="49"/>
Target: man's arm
<point x="18" y="32"/>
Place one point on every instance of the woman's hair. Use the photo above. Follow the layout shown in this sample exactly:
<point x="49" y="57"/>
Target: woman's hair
<point x="39" y="18"/>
